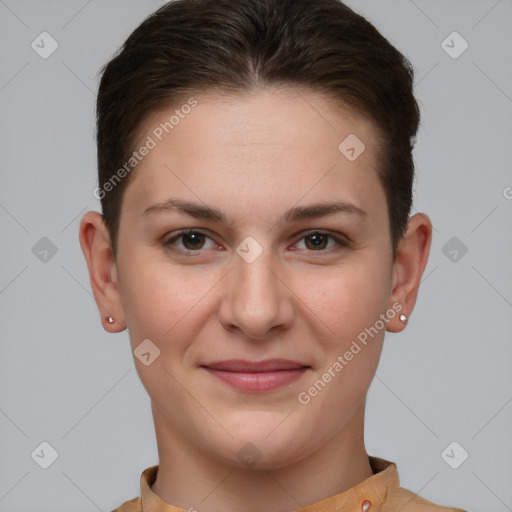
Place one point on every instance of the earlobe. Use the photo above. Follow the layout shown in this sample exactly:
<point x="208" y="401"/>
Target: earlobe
<point x="410" y="262"/>
<point x="96" y="246"/>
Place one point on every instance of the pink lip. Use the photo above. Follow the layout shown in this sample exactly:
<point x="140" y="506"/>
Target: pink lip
<point x="257" y="376"/>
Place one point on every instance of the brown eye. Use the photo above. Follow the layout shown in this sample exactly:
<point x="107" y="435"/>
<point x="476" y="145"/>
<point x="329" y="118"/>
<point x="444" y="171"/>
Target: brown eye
<point x="191" y="241"/>
<point x="317" y="241"/>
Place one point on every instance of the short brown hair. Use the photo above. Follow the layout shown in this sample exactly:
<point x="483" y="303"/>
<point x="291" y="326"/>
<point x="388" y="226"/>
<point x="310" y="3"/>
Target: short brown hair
<point x="239" y="45"/>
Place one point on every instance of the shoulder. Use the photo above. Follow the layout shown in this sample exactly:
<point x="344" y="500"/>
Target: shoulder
<point x="407" y="501"/>
<point x="133" y="505"/>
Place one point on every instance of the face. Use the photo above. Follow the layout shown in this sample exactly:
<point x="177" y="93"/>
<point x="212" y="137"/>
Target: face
<point x="268" y="311"/>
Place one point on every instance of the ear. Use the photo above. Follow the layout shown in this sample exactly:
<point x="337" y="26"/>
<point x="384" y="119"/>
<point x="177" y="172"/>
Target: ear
<point x="410" y="262"/>
<point x="97" y="249"/>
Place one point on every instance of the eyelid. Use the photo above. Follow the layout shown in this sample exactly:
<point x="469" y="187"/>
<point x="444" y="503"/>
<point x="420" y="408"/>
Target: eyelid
<point x="168" y="241"/>
<point x="341" y="240"/>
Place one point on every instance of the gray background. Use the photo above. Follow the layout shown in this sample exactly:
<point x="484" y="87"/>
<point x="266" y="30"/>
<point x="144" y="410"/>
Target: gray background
<point x="65" y="381"/>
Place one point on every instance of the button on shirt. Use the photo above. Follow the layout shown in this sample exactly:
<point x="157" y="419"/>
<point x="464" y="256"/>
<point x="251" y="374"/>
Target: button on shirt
<point x="378" y="493"/>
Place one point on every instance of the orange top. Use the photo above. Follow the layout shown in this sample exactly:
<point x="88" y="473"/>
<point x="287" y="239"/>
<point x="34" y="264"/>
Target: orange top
<point x="378" y="493"/>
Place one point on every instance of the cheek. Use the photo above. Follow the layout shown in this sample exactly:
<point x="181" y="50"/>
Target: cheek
<point x="162" y="305"/>
<point x="350" y="304"/>
<point x="349" y="298"/>
<point x="156" y="298"/>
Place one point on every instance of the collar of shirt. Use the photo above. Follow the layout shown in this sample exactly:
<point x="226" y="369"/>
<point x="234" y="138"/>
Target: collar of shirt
<point x="379" y="493"/>
<point x="367" y="496"/>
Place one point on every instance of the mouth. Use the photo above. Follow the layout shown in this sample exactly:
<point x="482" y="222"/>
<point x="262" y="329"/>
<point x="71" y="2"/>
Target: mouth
<point x="256" y="376"/>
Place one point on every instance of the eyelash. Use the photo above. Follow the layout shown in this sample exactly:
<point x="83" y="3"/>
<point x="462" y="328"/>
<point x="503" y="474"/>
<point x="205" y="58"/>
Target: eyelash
<point x="169" y="243"/>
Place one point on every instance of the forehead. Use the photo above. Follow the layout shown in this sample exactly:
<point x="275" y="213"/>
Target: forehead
<point x="270" y="145"/>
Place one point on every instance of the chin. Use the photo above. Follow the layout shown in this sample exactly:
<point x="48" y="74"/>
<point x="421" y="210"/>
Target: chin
<point x="262" y="441"/>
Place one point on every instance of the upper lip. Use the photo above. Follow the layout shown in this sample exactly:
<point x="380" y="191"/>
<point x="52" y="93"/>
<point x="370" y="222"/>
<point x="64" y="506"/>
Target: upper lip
<point x="268" y="365"/>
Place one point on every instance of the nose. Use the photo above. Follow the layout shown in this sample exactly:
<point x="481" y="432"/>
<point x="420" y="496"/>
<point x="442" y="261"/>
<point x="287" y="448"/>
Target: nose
<point x="256" y="299"/>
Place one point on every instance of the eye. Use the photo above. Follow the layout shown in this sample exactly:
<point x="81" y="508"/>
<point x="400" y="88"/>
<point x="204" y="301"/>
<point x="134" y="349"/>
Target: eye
<point x="317" y="240"/>
<point x="192" y="241"/>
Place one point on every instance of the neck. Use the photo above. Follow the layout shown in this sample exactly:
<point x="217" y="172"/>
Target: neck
<point x="190" y="479"/>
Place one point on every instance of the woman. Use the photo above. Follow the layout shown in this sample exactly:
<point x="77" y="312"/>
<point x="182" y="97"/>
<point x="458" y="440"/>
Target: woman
<point x="255" y="173"/>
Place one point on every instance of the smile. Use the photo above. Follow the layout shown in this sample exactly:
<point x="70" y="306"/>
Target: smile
<point x="257" y="376"/>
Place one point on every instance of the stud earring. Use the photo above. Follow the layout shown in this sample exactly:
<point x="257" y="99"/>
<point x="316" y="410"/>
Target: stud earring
<point x="110" y="320"/>
<point x="403" y="318"/>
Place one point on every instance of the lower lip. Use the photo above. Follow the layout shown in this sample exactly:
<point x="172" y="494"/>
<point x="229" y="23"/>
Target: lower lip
<point x="263" y="381"/>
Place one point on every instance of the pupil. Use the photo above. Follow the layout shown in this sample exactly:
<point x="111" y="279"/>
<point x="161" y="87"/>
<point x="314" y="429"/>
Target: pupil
<point x="317" y="240"/>
<point x="195" y="236"/>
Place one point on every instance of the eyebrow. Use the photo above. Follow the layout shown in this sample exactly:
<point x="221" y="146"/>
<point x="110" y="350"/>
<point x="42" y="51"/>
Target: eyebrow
<point x="294" y="214"/>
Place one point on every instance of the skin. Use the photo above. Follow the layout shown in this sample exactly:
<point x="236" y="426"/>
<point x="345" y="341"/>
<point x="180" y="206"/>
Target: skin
<point x="253" y="157"/>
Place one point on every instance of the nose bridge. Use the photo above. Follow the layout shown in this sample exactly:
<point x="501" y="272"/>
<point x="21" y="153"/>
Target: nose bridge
<point x="256" y="300"/>
<point x="255" y="279"/>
